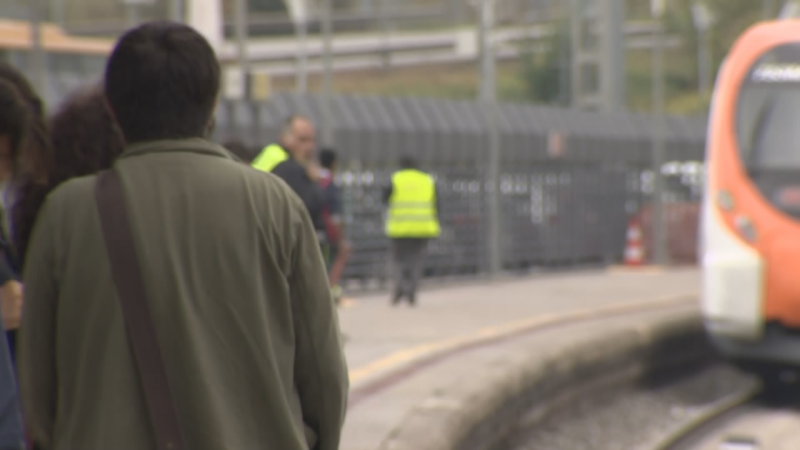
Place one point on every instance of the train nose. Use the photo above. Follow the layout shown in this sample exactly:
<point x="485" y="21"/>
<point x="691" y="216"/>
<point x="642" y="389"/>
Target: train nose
<point x="783" y="282"/>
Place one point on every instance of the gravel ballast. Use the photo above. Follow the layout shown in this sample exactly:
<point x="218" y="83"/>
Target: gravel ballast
<point x="627" y="417"/>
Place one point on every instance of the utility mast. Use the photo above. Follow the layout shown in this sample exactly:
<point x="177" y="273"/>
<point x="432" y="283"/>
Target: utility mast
<point x="598" y="54"/>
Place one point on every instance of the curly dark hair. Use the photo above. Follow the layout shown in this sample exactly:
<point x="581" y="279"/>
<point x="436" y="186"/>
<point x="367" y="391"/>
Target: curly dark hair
<point x="15" y="77"/>
<point x="85" y="140"/>
<point x="33" y="158"/>
<point x="14" y="116"/>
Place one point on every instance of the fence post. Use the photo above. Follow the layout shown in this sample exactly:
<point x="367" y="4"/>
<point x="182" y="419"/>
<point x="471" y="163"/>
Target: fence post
<point x="488" y="97"/>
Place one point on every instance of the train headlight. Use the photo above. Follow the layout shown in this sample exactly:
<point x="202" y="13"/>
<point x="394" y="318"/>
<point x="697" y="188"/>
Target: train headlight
<point x="746" y="227"/>
<point x="725" y="200"/>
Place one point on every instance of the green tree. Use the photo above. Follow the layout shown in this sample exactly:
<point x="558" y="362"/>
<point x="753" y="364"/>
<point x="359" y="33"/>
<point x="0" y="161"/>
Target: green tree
<point x="267" y="5"/>
<point x="732" y="18"/>
<point x="547" y="76"/>
<point x="229" y="6"/>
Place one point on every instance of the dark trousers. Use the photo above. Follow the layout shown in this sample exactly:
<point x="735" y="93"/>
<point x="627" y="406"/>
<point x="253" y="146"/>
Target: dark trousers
<point x="408" y="262"/>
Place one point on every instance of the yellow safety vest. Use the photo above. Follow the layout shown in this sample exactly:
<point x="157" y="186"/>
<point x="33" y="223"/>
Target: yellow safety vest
<point x="270" y="157"/>
<point x="412" y="206"/>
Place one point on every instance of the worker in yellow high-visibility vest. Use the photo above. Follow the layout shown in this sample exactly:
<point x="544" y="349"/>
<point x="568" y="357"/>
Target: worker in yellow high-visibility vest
<point x="271" y="156"/>
<point x="274" y="154"/>
<point x="413" y="220"/>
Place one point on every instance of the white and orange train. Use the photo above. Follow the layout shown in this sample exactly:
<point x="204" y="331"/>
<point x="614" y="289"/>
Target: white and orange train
<point x="751" y="210"/>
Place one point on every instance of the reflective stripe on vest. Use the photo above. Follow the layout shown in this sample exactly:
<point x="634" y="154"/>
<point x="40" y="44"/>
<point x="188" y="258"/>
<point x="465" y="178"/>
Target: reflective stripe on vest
<point x="270" y="157"/>
<point x="412" y="206"/>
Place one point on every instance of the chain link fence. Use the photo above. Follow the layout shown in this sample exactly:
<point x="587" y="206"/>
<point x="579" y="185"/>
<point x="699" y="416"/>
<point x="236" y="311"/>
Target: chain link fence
<point x="570" y="180"/>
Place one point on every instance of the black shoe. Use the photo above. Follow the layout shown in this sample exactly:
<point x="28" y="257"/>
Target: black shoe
<point x="412" y="300"/>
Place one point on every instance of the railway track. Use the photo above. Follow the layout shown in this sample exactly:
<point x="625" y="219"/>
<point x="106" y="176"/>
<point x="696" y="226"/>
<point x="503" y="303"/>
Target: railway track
<point x="747" y="420"/>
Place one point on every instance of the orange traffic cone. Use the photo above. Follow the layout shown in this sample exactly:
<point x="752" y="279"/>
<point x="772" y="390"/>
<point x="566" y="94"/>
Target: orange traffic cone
<point x="634" y="247"/>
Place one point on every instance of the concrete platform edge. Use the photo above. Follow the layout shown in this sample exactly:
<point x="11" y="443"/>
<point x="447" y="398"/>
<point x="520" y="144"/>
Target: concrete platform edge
<point x="482" y="409"/>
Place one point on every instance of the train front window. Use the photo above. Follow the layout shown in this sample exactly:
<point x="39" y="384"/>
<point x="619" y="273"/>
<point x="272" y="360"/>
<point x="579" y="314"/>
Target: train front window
<point x="768" y="126"/>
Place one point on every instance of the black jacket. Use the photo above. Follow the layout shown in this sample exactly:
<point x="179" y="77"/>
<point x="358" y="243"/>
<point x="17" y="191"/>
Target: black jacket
<point x="296" y="176"/>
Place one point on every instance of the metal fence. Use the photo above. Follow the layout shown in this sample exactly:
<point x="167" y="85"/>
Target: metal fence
<point x="570" y="180"/>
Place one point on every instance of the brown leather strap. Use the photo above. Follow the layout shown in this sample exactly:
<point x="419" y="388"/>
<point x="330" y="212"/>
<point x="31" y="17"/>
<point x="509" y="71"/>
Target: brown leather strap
<point x="127" y="275"/>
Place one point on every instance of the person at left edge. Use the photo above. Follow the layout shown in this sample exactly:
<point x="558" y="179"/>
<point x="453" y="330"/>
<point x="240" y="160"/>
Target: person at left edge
<point x="27" y="153"/>
<point x="13" y="119"/>
<point x="12" y="134"/>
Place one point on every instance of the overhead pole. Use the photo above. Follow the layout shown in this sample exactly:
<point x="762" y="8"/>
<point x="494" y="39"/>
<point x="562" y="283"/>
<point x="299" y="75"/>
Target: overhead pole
<point x="598" y="46"/>
<point x="488" y="96"/>
<point x="241" y="46"/>
<point x="703" y="20"/>
<point x="612" y="44"/>
<point x="327" y="71"/>
<point x="133" y="13"/>
<point x="383" y="12"/>
<point x="302" y="56"/>
<point x="298" y="9"/>
<point x="176" y="12"/>
<point x="487" y="84"/>
<point x="38" y="66"/>
<point x="660" y="256"/>
<point x="59" y="12"/>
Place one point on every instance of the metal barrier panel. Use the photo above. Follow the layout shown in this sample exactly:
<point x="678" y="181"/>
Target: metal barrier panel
<point x="570" y="180"/>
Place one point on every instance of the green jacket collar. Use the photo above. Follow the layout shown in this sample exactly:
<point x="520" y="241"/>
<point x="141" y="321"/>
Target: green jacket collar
<point x="193" y="145"/>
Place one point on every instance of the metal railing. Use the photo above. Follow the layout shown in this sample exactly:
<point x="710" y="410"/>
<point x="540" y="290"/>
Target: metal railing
<point x="570" y="180"/>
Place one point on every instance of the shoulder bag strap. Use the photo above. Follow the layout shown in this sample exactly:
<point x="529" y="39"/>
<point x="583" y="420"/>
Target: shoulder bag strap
<point x="127" y="276"/>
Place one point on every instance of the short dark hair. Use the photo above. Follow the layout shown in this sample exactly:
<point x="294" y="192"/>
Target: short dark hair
<point x="162" y="82"/>
<point x="34" y="149"/>
<point x="15" y="77"/>
<point x="408" y="162"/>
<point x="14" y="116"/>
<point x="288" y="122"/>
<point x="327" y="158"/>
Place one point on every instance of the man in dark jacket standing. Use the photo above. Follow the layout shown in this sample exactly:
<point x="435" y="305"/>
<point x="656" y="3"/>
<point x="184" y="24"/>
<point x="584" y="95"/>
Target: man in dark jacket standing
<point x="235" y="280"/>
<point x="299" y="139"/>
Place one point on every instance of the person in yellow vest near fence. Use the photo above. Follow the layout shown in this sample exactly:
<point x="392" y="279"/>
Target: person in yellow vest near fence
<point x="274" y="154"/>
<point x="412" y="220"/>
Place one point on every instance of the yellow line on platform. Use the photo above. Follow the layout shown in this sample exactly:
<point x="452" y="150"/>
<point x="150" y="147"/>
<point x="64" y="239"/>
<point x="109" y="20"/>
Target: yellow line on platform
<point x="411" y="354"/>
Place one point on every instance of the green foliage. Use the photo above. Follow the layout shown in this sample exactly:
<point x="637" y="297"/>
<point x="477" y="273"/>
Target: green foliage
<point x="732" y="18"/>
<point x="547" y="76"/>
<point x="541" y="73"/>
<point x="267" y="5"/>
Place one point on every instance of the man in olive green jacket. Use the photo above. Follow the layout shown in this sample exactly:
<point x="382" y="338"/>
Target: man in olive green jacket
<point x="235" y="278"/>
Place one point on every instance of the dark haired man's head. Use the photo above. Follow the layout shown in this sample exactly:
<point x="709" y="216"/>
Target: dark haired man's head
<point x="162" y="82"/>
<point x="327" y="158"/>
<point x="14" y="120"/>
<point x="240" y="150"/>
<point x="408" y="162"/>
<point x="34" y="149"/>
<point x="299" y="138"/>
